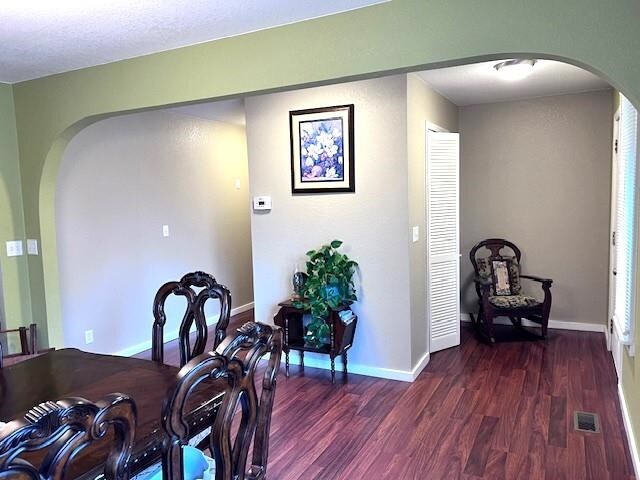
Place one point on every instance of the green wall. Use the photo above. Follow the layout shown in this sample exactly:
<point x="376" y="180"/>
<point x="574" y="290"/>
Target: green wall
<point x="15" y="279"/>
<point x="397" y="36"/>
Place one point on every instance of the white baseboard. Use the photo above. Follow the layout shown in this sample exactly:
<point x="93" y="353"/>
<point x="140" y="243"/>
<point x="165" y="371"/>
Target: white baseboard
<point x="628" y="427"/>
<point x="555" y="324"/>
<point x="323" y="362"/>
<point x="241" y="309"/>
<point x="169" y="336"/>
<point x="422" y="363"/>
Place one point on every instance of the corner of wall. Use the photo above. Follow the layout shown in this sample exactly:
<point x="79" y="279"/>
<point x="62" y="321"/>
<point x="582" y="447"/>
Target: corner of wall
<point x="15" y="271"/>
<point x="424" y="105"/>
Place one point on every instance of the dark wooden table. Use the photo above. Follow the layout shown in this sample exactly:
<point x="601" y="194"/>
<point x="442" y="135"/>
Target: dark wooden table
<point x="290" y="319"/>
<point x="70" y="372"/>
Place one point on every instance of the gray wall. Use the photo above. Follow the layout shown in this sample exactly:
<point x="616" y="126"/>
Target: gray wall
<point x="538" y="172"/>
<point x="123" y="178"/>
<point x="372" y="221"/>
<point x="423" y="105"/>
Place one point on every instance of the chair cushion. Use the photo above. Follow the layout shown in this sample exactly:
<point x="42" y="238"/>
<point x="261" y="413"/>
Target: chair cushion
<point x="513" y="301"/>
<point x="485" y="272"/>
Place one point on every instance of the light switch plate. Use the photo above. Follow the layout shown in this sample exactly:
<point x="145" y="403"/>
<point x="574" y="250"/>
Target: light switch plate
<point x="237" y="184"/>
<point x="88" y="336"/>
<point x="165" y="230"/>
<point x="14" y="248"/>
<point x="32" y="246"/>
<point x="415" y="233"/>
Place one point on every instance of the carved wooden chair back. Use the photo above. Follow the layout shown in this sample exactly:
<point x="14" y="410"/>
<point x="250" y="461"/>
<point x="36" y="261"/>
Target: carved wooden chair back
<point x="498" y="250"/>
<point x="60" y="430"/>
<point x="28" y="342"/>
<point x="194" y="314"/>
<point x="495" y="247"/>
<point x="235" y="361"/>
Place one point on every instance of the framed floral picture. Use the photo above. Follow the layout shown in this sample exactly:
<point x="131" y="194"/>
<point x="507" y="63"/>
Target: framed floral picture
<point x="322" y="150"/>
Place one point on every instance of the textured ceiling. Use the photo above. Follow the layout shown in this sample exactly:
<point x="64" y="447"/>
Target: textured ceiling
<point x="480" y="83"/>
<point x="43" y="37"/>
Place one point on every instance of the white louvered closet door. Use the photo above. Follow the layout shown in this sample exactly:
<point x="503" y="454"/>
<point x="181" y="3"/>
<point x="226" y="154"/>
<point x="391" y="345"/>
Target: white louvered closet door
<point x="443" y="240"/>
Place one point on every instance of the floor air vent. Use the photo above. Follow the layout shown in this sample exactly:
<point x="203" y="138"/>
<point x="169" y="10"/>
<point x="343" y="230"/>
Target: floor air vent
<point x="586" y="422"/>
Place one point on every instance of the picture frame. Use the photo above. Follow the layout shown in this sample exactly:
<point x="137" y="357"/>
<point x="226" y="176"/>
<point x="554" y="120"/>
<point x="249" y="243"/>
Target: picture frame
<point x="322" y="150"/>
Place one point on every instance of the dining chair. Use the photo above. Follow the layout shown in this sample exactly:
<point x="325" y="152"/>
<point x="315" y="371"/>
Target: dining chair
<point x="28" y="343"/>
<point x="235" y="362"/>
<point x="196" y="288"/>
<point x="60" y="430"/>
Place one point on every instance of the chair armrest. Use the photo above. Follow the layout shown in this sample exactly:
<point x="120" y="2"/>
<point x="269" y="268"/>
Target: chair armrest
<point x="536" y="278"/>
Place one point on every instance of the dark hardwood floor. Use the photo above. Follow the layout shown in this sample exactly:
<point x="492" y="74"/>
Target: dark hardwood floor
<point x="474" y="412"/>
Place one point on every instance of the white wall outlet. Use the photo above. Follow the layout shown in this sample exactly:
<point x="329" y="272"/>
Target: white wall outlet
<point x="32" y="246"/>
<point x="14" y="248"/>
<point x="237" y="184"/>
<point x="415" y="233"/>
<point x="165" y="230"/>
<point x="88" y="336"/>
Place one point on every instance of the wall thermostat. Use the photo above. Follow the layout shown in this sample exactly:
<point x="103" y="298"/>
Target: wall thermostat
<point x="262" y="203"/>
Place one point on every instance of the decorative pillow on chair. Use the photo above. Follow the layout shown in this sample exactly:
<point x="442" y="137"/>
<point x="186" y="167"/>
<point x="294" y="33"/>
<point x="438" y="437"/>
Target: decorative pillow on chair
<point x="514" y="275"/>
<point x="501" y="277"/>
<point x="486" y="274"/>
<point x="484" y="270"/>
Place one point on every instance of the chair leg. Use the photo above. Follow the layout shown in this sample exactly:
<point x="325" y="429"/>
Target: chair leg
<point x="545" y="324"/>
<point x="488" y="322"/>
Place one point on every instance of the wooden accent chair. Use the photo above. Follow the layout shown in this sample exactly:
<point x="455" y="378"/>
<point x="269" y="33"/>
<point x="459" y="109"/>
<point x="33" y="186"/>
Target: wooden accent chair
<point x="197" y="288"/>
<point x="234" y="361"/>
<point x="28" y="344"/>
<point x="500" y="293"/>
<point x="58" y="431"/>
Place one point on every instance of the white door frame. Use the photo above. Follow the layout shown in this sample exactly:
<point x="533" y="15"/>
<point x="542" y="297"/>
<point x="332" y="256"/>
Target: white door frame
<point x="612" y="249"/>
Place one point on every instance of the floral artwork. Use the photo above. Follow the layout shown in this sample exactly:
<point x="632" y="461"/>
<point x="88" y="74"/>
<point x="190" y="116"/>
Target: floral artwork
<point x="322" y="150"/>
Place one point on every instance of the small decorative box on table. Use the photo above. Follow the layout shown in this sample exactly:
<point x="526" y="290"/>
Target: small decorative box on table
<point x="341" y="332"/>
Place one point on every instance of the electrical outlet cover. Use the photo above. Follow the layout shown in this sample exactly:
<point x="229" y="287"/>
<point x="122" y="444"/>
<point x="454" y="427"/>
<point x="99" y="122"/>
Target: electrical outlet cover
<point x="416" y="233"/>
<point x="32" y="246"/>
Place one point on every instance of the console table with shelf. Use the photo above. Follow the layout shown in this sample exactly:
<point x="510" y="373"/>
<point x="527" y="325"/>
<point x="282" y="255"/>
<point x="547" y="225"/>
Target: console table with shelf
<point x="291" y="320"/>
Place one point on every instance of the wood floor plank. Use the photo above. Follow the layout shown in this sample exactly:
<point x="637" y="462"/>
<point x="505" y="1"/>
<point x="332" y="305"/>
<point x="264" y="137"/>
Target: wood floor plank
<point x="480" y="451"/>
<point x="557" y="463"/>
<point x="476" y="412"/>
<point x="496" y="465"/>
<point x="558" y="422"/>
<point x="577" y="462"/>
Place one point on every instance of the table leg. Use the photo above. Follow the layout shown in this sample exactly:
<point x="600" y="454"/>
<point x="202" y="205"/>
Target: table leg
<point x="286" y="362"/>
<point x="333" y="369"/>
<point x="302" y="359"/>
<point x="344" y="362"/>
<point x="286" y="345"/>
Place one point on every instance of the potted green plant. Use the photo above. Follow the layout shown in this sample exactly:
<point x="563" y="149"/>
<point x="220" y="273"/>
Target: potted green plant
<point x="329" y="285"/>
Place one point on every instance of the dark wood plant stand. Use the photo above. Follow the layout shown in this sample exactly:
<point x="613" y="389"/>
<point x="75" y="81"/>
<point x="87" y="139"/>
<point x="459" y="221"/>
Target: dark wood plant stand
<point x="290" y="319"/>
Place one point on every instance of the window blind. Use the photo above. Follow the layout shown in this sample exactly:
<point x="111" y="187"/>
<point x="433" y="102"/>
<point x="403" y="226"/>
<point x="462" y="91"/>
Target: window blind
<point x="625" y="240"/>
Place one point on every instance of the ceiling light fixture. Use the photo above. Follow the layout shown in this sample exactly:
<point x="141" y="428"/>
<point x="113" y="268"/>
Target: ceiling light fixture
<point x="515" y="69"/>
